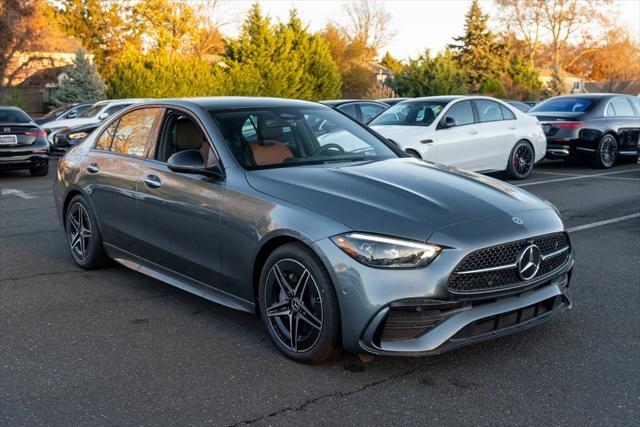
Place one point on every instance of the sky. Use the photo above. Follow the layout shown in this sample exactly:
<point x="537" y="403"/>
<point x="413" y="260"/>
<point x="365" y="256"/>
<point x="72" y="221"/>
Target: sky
<point x="418" y="24"/>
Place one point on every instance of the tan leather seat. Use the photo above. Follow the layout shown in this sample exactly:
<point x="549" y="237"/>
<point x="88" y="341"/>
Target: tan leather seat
<point x="268" y="150"/>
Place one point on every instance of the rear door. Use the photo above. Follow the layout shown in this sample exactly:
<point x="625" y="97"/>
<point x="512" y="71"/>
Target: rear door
<point x="627" y="124"/>
<point x="458" y="145"/>
<point x="497" y="135"/>
<point x="180" y="212"/>
<point x="114" y="163"/>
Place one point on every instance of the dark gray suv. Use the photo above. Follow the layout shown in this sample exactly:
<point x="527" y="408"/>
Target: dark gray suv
<point x="333" y="235"/>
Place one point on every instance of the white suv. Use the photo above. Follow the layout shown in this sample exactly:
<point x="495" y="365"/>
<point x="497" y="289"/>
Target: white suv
<point x="477" y="133"/>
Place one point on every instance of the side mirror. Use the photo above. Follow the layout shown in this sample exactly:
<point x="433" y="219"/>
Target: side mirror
<point x="449" y="122"/>
<point x="191" y="161"/>
<point x="103" y="116"/>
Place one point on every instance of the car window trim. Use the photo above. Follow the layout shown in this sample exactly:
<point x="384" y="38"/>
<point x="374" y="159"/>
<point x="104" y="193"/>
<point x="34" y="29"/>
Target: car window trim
<point x="509" y="109"/>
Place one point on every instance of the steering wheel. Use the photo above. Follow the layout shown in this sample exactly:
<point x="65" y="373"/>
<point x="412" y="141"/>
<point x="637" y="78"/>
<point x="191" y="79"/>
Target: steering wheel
<point x="329" y="146"/>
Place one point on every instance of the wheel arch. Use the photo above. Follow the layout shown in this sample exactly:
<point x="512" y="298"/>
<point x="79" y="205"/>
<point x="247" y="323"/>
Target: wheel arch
<point x="414" y="153"/>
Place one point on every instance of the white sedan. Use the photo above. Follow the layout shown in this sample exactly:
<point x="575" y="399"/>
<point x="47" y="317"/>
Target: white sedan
<point x="476" y="133"/>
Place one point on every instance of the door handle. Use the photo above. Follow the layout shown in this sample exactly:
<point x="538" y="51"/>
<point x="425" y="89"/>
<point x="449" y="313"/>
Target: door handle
<point x="152" y="181"/>
<point x="93" y="168"/>
<point x="473" y="132"/>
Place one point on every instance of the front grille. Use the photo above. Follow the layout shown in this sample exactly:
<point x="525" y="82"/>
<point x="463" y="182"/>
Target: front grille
<point x="502" y="258"/>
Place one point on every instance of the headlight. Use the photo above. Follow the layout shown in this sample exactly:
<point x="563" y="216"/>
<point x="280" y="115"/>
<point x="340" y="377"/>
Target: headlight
<point x="77" y="135"/>
<point x="386" y="252"/>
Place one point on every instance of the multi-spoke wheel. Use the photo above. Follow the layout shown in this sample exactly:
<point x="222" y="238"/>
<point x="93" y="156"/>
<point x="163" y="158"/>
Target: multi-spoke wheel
<point x="299" y="306"/>
<point x="606" y="153"/>
<point x="83" y="235"/>
<point x="521" y="161"/>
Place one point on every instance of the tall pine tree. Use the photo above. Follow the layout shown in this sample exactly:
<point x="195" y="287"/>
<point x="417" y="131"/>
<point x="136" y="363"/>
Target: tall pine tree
<point x="83" y="85"/>
<point x="476" y="49"/>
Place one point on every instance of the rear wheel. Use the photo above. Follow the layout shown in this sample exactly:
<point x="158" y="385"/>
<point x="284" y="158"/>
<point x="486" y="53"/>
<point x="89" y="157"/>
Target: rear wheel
<point x="298" y="305"/>
<point x="40" y="171"/>
<point x="521" y="161"/>
<point x="83" y="236"/>
<point x="606" y="152"/>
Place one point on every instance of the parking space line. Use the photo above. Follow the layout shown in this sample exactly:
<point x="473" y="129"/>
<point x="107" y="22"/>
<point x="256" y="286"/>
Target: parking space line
<point x="604" y="222"/>
<point x="17" y="193"/>
<point x="571" y="178"/>
<point x="537" y="172"/>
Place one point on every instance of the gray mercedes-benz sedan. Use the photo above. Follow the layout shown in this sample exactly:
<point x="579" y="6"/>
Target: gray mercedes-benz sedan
<point x="330" y="232"/>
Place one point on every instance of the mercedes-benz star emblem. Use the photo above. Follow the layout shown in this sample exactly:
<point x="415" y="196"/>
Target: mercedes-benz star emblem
<point x="517" y="220"/>
<point x="529" y="262"/>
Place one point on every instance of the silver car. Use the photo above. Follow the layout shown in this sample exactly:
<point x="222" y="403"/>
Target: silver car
<point x="347" y="244"/>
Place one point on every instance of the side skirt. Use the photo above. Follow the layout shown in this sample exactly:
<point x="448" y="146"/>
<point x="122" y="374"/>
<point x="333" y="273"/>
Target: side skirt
<point x="178" y="280"/>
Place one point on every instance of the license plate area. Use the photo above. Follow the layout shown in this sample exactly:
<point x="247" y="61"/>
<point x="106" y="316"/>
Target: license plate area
<point x="8" y="139"/>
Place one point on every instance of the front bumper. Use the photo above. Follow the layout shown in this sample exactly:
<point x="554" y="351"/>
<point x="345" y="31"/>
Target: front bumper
<point x="415" y="312"/>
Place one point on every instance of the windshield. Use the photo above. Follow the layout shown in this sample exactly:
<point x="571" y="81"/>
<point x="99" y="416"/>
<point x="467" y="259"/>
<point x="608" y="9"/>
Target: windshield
<point x="11" y="115"/>
<point x="56" y="112"/>
<point x="93" y="111"/>
<point x="415" y="113"/>
<point x="284" y="136"/>
<point x="562" y="105"/>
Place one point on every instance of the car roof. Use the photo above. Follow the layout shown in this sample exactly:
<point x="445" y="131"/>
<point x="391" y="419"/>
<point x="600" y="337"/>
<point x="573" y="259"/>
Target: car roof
<point x="227" y="102"/>
<point x="433" y="98"/>
<point x="336" y="102"/>
<point x="590" y="95"/>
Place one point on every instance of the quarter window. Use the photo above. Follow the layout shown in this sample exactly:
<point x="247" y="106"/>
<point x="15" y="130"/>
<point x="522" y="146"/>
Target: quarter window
<point x="462" y="113"/>
<point x="621" y="107"/>
<point x="506" y="113"/>
<point x="106" y="137"/>
<point x="488" y="111"/>
<point x="636" y="103"/>
<point x="350" y="110"/>
<point x="133" y="132"/>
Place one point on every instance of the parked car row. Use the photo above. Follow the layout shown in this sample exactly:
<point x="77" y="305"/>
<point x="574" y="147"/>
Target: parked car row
<point x="481" y="134"/>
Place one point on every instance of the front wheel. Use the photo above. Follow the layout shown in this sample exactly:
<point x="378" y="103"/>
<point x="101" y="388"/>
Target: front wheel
<point x="298" y="305"/>
<point x="521" y="161"/>
<point x="606" y="152"/>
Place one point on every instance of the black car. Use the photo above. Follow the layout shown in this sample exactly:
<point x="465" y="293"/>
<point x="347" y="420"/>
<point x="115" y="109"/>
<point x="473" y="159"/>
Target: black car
<point x="392" y="101"/>
<point x="69" y="136"/>
<point x="600" y="127"/>
<point x="23" y="145"/>
<point x="69" y="111"/>
<point x="360" y="109"/>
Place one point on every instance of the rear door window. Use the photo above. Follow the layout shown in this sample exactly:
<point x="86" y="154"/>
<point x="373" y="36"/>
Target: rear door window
<point x="488" y="111"/>
<point x="369" y="111"/>
<point x="134" y="130"/>
<point x="621" y="107"/>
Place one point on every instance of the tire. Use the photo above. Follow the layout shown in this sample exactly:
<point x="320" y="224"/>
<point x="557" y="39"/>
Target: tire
<point x="521" y="160"/>
<point x="41" y="171"/>
<point x="413" y="153"/>
<point x="86" y="250"/>
<point x="310" y="304"/>
<point x="606" y="152"/>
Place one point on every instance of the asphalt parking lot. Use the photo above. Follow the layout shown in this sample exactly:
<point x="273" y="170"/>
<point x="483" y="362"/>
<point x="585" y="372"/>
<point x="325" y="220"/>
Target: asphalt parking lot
<point x="114" y="347"/>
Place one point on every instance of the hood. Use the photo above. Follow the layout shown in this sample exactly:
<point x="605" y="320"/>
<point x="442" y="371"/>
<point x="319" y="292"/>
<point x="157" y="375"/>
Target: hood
<point x="57" y="124"/>
<point x="398" y="197"/>
<point x="401" y="133"/>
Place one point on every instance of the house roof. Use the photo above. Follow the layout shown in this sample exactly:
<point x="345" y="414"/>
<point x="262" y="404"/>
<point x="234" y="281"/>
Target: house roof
<point x="44" y="77"/>
<point x="628" y="87"/>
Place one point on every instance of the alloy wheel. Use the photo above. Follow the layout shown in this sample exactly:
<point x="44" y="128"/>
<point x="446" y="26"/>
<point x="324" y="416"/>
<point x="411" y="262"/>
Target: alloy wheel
<point x="608" y="151"/>
<point x="79" y="231"/>
<point x="294" y="305"/>
<point x="522" y="160"/>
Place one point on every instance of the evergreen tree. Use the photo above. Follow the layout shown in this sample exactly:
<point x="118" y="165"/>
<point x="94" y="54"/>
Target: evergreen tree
<point x="84" y="84"/>
<point x="556" y="86"/>
<point x="476" y="50"/>
<point x="162" y="75"/>
<point x="283" y="60"/>
<point x="428" y="76"/>
<point x="523" y="78"/>
<point x="394" y="65"/>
